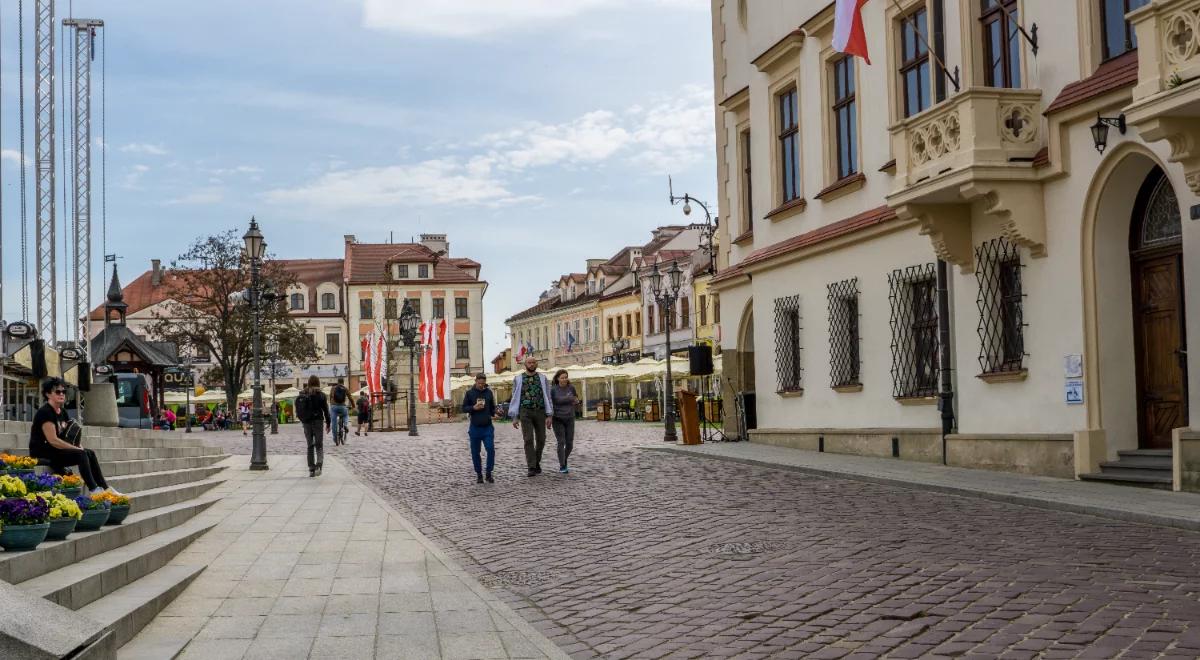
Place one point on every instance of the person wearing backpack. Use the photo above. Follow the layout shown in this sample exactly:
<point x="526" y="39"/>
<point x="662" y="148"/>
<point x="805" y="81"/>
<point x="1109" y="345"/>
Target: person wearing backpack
<point x="364" y="414"/>
<point x="312" y="409"/>
<point x="339" y="397"/>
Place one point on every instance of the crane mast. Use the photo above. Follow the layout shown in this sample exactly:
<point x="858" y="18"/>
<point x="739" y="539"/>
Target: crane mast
<point x="43" y="38"/>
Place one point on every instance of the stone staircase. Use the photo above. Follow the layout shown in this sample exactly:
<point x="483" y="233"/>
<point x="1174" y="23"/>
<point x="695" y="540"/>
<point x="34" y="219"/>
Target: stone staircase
<point x="1147" y="468"/>
<point x="113" y="581"/>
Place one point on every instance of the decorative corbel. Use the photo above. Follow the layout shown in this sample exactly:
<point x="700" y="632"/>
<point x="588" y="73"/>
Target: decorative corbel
<point x="1019" y="208"/>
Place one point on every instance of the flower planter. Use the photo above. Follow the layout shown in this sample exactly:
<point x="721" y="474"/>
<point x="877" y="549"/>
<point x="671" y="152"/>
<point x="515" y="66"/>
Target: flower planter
<point x="23" y="537"/>
<point x="93" y="519"/>
<point x="117" y="514"/>
<point x="70" y="492"/>
<point x="60" y="528"/>
<point x="16" y="472"/>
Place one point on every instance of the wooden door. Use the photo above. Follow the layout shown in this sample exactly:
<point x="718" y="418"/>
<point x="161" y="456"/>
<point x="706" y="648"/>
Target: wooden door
<point x="1159" y="337"/>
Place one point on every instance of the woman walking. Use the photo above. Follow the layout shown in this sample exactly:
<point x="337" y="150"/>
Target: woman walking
<point x="244" y="415"/>
<point x="564" y="398"/>
<point x="45" y="439"/>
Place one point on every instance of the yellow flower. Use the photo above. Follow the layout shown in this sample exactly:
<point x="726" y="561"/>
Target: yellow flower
<point x="64" y="507"/>
<point x="11" y="486"/>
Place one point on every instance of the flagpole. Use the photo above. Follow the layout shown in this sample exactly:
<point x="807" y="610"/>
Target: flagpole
<point x="932" y="51"/>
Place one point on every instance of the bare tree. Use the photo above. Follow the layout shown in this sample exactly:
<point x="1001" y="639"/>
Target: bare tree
<point x="203" y="313"/>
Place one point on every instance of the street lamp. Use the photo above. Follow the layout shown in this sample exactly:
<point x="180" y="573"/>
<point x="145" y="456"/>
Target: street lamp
<point x="410" y="322"/>
<point x="707" y="230"/>
<point x="665" y="292"/>
<point x="273" y="349"/>
<point x="256" y="248"/>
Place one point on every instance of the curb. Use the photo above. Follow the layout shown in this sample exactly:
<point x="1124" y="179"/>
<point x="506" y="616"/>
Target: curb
<point x="1034" y="502"/>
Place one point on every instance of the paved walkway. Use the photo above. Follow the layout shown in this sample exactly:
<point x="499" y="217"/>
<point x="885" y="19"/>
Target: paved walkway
<point x="322" y="568"/>
<point x="1181" y="510"/>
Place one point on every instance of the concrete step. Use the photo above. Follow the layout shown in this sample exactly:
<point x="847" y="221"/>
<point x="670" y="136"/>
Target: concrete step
<point x="1141" y="480"/>
<point x="150" y="480"/>
<point x="154" y="498"/>
<point x="153" y="442"/>
<point x="1160" y="458"/>
<point x="127" y="610"/>
<point x="17" y="567"/>
<point x="139" y="453"/>
<point x="145" y="465"/>
<point x="83" y="582"/>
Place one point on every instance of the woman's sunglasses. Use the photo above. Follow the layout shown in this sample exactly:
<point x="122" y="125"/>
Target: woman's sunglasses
<point x="59" y="392"/>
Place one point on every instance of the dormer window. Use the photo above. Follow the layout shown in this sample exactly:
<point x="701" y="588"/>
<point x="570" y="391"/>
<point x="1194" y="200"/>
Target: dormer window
<point x="423" y="271"/>
<point x="297" y="302"/>
<point x="402" y="272"/>
<point x="328" y="302"/>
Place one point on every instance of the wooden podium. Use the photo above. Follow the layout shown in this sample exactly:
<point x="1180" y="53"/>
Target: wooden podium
<point x="689" y="418"/>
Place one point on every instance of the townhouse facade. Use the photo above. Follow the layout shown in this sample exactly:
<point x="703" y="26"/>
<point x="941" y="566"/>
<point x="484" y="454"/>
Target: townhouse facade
<point x="972" y="250"/>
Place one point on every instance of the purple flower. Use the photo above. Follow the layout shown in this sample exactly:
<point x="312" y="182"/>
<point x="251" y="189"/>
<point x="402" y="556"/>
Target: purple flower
<point x="86" y="503"/>
<point x="20" y="511"/>
<point x="36" y="483"/>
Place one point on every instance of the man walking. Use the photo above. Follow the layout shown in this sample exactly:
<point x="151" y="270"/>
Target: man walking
<point x="480" y="404"/>
<point x="339" y="397"/>
<point x="531" y="411"/>
<point x="313" y="410"/>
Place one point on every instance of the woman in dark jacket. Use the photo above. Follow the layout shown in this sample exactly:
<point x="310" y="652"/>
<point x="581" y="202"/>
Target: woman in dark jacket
<point x="46" y="441"/>
<point x="564" y="398"/>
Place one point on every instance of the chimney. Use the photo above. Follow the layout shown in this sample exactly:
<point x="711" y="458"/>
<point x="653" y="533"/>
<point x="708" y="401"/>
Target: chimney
<point x="155" y="272"/>
<point x="436" y="243"/>
<point x="349" y="238"/>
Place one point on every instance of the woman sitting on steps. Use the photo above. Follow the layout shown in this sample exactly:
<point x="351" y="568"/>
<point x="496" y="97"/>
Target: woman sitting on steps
<point x="45" y="439"/>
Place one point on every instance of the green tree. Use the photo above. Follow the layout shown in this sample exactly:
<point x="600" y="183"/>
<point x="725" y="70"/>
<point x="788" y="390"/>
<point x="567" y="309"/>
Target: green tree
<point x="203" y="311"/>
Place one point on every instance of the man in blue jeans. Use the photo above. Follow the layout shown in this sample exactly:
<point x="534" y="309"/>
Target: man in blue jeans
<point x="480" y="404"/>
<point x="339" y="398"/>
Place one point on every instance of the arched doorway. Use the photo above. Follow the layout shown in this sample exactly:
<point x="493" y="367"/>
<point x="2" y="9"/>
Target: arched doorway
<point x="1156" y="267"/>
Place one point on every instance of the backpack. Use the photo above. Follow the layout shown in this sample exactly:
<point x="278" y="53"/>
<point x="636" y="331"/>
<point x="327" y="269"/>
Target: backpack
<point x="305" y="406"/>
<point x="364" y="406"/>
<point x="339" y="394"/>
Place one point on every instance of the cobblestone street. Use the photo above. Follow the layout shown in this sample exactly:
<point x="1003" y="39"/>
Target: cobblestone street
<point x="647" y="554"/>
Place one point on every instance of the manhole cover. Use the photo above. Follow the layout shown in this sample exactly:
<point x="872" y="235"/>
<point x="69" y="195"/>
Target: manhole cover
<point x="518" y="579"/>
<point x="743" y="548"/>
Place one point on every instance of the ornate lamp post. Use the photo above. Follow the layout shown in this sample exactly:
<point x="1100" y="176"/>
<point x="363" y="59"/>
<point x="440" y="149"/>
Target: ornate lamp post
<point x="707" y="230"/>
<point x="410" y="323"/>
<point x="256" y="248"/>
<point x="665" y="292"/>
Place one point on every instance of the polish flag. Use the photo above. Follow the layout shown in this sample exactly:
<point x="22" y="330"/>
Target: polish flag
<point x="435" y="362"/>
<point x="848" y="34"/>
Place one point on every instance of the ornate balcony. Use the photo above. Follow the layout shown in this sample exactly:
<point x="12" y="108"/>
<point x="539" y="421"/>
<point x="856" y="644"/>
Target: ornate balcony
<point x="1166" y="100"/>
<point x="978" y="146"/>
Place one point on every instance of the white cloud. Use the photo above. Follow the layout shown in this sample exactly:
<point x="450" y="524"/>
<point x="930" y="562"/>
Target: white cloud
<point x="668" y="134"/>
<point x="13" y="156"/>
<point x="236" y="169"/>
<point x="471" y="18"/>
<point x="144" y="149"/>
<point x="198" y="197"/>
<point x="133" y="178"/>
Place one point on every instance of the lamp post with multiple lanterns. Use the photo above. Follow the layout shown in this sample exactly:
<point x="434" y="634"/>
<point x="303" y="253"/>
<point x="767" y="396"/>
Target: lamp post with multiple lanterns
<point x="665" y="291"/>
<point x="410" y="323"/>
<point x="255" y="250"/>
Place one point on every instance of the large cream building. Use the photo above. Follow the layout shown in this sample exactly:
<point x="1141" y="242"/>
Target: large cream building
<point x="842" y="184"/>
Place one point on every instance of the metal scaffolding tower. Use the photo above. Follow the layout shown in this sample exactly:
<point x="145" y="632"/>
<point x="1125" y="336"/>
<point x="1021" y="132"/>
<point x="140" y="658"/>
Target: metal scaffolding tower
<point x="43" y="38"/>
<point x="85" y="53"/>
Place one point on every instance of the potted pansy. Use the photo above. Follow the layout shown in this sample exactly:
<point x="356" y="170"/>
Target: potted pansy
<point x="18" y="464"/>
<point x="95" y="514"/>
<point x="64" y="515"/>
<point x="118" y="506"/>
<point x="25" y="522"/>
<point x="70" y="485"/>
<point x="39" y="483"/>
<point x="11" y="486"/>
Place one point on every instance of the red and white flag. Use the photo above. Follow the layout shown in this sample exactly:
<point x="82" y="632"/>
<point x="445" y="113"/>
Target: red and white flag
<point x="848" y="34"/>
<point x="374" y="362"/>
<point x="435" y="362"/>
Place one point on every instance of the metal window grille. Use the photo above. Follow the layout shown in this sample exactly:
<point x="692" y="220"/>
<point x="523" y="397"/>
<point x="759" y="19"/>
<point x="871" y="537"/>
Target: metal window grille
<point x="913" y="297"/>
<point x="844" y="355"/>
<point x="788" y="369"/>
<point x="1001" y="310"/>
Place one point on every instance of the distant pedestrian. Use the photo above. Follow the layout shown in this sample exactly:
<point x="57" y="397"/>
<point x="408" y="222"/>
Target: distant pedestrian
<point x="244" y="416"/>
<point x="565" y="398"/>
<point x="364" y="414"/>
<point x="531" y="409"/>
<point x="480" y="404"/>
<point x="312" y="408"/>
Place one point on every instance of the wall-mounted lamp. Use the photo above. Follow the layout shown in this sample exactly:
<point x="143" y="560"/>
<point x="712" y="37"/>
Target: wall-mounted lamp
<point x="1100" y="130"/>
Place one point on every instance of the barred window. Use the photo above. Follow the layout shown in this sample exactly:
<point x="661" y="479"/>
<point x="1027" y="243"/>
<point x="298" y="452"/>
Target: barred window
<point x="788" y="370"/>
<point x="913" y="296"/>
<point x="1001" y="315"/>
<point x="844" y="357"/>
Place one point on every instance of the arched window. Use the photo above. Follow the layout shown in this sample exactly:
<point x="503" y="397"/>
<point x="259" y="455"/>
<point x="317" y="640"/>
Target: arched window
<point x="1161" y="223"/>
<point x="297" y="302"/>
<point x="328" y="302"/>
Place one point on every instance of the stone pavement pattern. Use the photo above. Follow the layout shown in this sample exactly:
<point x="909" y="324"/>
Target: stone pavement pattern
<point x="320" y="568"/>
<point x="652" y="554"/>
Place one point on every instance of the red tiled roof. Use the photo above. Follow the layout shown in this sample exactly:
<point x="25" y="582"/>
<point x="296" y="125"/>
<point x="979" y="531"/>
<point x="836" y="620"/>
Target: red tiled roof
<point x="140" y="293"/>
<point x="367" y="263"/>
<point x="313" y="272"/>
<point x="551" y="305"/>
<point x="829" y="232"/>
<point x="1112" y="75"/>
<point x="1042" y="157"/>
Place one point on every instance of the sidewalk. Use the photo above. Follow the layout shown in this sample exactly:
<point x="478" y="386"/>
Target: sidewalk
<point x="1143" y="505"/>
<point x="322" y="568"/>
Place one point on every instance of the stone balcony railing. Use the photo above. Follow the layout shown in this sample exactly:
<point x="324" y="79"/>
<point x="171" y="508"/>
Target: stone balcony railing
<point x="1166" y="100"/>
<point x="981" y="126"/>
<point x="978" y="146"/>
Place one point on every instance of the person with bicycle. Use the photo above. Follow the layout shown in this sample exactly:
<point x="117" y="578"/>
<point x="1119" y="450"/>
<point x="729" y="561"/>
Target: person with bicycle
<point x="339" y="398"/>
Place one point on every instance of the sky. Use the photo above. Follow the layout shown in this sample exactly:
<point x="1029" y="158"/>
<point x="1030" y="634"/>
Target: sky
<point x="535" y="133"/>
